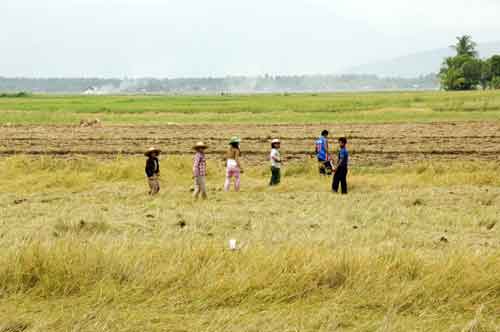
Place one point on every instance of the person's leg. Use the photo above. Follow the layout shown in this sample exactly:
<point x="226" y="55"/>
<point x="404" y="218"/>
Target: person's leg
<point x="203" y="187"/>
<point x="278" y="175"/>
<point x="335" y="182"/>
<point x="328" y="167"/>
<point x="156" y="189"/>
<point x="343" y="182"/>
<point x="274" y="176"/>
<point x="237" y="176"/>
<point x="196" y="192"/>
<point x="150" y="183"/>
<point x="227" y="183"/>
<point x="321" y="166"/>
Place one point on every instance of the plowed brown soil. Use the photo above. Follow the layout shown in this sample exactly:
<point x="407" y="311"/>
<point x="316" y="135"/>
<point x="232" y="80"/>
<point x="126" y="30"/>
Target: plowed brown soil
<point x="369" y="144"/>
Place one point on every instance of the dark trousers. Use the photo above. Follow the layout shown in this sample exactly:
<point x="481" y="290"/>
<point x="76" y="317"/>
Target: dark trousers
<point x="340" y="176"/>
<point x="325" y="167"/>
<point x="275" y="176"/>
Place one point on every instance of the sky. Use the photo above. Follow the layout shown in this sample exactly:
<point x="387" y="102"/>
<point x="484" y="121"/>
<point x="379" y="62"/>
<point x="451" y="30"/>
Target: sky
<point x="199" y="38"/>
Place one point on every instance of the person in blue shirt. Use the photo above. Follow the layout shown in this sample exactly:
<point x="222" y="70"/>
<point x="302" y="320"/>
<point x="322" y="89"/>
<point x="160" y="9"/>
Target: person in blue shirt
<point x="341" y="167"/>
<point x="324" y="159"/>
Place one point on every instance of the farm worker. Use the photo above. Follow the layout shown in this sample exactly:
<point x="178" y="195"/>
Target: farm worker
<point x="200" y="170"/>
<point x="340" y="168"/>
<point x="233" y="165"/>
<point x="275" y="159"/>
<point x="153" y="170"/>
<point x="324" y="159"/>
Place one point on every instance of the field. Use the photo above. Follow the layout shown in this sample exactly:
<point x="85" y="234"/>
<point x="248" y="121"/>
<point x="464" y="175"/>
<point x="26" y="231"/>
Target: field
<point x="255" y="109"/>
<point x="415" y="246"/>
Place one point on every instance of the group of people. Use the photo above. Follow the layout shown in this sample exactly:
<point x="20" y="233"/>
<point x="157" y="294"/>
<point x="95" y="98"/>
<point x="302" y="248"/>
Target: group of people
<point x="234" y="168"/>
<point x="327" y="165"/>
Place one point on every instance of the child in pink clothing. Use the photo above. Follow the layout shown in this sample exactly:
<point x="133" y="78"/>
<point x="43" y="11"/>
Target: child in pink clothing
<point x="233" y="167"/>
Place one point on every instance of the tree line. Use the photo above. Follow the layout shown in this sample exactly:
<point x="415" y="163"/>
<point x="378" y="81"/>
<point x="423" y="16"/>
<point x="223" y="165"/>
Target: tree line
<point x="214" y="85"/>
<point x="467" y="71"/>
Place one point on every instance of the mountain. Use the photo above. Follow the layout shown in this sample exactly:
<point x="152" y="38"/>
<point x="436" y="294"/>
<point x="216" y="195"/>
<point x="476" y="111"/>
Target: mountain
<point x="417" y="64"/>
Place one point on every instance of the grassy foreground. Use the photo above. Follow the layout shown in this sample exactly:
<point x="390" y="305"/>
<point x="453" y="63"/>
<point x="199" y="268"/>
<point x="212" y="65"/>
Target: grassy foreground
<point x="409" y="249"/>
<point x="294" y="108"/>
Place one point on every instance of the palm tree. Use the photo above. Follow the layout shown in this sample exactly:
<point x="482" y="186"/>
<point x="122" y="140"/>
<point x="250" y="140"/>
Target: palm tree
<point x="465" y="46"/>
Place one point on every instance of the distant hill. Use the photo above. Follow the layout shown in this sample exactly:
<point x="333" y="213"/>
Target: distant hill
<point x="417" y="64"/>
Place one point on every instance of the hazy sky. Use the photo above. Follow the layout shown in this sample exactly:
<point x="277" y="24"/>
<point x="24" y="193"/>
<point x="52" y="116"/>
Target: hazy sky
<point x="173" y="38"/>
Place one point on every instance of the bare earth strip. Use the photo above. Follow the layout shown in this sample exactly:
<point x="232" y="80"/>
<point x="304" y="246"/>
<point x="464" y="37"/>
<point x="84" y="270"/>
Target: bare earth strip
<point x="369" y="143"/>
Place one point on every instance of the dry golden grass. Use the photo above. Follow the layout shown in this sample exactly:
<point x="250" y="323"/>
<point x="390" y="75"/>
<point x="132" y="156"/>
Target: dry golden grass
<point x="409" y="249"/>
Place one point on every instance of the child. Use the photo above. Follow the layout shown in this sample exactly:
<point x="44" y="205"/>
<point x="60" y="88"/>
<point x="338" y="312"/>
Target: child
<point x="233" y="167"/>
<point x="341" y="168"/>
<point x="275" y="162"/>
<point x="153" y="170"/>
<point x="200" y="171"/>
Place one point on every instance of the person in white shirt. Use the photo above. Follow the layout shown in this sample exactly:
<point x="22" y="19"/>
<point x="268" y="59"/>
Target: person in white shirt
<point x="275" y="159"/>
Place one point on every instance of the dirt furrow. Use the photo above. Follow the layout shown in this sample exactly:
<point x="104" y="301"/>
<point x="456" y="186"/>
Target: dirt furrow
<point x="376" y="143"/>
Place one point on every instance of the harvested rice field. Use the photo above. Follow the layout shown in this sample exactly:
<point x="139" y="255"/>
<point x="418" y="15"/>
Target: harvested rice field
<point x="413" y="246"/>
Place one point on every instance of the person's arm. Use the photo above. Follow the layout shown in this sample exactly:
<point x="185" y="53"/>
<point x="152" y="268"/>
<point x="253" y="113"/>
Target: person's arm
<point x="341" y="159"/>
<point x="276" y="157"/>
<point x="237" y="158"/>
<point x="328" y="156"/>
<point x="196" y="166"/>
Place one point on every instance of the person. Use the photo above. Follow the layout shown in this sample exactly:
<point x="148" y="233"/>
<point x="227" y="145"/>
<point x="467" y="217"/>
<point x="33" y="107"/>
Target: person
<point x="324" y="159"/>
<point x="233" y="165"/>
<point x="275" y="159"/>
<point x="153" y="170"/>
<point x="200" y="171"/>
<point x="340" y="169"/>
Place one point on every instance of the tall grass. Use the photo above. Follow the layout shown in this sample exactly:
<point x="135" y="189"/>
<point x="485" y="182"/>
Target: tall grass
<point x="409" y="249"/>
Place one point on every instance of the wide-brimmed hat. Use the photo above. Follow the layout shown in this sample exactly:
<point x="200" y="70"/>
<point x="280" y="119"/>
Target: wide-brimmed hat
<point x="274" y="141"/>
<point x="151" y="150"/>
<point x="234" y="139"/>
<point x="200" y="145"/>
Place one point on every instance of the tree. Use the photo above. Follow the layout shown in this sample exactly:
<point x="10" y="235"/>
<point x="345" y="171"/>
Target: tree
<point x="461" y="72"/>
<point x="452" y="79"/>
<point x="472" y="69"/>
<point x="486" y="74"/>
<point x="494" y="62"/>
<point x="465" y="70"/>
<point x="495" y="71"/>
<point x="495" y="82"/>
<point x="465" y="46"/>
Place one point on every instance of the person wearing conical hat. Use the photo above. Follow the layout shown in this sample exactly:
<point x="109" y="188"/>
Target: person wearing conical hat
<point x="200" y="171"/>
<point x="153" y="170"/>
<point x="275" y="159"/>
<point x="233" y="165"/>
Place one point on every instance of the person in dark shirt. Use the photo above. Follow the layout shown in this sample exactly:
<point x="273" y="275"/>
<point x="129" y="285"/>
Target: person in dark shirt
<point x="153" y="170"/>
<point x="341" y="167"/>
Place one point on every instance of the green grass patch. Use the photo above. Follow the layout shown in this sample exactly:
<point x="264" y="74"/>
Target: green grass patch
<point x="290" y="108"/>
